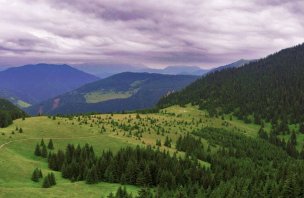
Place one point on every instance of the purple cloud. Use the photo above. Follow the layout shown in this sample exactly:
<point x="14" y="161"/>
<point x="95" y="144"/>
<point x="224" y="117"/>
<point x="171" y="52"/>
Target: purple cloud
<point x="151" y="32"/>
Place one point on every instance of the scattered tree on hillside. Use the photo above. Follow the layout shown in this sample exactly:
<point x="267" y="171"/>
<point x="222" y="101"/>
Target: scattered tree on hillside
<point x="50" y="144"/>
<point x="37" y="174"/>
<point x="37" y="150"/>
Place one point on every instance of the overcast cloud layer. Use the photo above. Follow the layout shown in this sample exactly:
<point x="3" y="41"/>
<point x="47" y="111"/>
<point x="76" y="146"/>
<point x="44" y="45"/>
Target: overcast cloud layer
<point x="150" y="32"/>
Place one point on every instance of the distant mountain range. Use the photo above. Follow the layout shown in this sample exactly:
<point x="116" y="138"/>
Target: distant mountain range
<point x="178" y="70"/>
<point x="32" y="84"/>
<point x="3" y="68"/>
<point x="124" y="91"/>
<point x="105" y="70"/>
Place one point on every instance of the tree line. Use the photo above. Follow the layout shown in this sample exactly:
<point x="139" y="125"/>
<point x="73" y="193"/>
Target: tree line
<point x="135" y="166"/>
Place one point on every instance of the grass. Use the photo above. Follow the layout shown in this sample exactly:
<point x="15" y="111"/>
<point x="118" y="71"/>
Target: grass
<point x="23" y="104"/>
<point x="101" y="96"/>
<point x="104" y="132"/>
<point x="20" y="103"/>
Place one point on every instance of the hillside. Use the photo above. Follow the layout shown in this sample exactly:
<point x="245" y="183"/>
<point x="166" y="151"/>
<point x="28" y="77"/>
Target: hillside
<point x="105" y="70"/>
<point x="121" y="92"/>
<point x="30" y="84"/>
<point x="227" y="152"/>
<point x="269" y="89"/>
<point x="8" y="113"/>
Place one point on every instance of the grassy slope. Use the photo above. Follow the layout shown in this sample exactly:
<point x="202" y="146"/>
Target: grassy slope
<point x="99" y="96"/>
<point x="17" y="160"/>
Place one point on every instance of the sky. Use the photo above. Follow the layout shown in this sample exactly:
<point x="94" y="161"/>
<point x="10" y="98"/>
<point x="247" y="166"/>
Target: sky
<point x="155" y="33"/>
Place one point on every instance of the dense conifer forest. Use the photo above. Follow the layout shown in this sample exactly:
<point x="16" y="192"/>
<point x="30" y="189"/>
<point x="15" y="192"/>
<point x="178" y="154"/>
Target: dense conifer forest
<point x="270" y="89"/>
<point x="139" y="166"/>
<point x="244" y="166"/>
<point x="9" y="112"/>
<point x="240" y="167"/>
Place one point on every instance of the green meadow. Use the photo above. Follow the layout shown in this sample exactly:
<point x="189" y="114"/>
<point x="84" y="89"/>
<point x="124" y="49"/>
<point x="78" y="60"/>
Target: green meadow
<point x="103" y="132"/>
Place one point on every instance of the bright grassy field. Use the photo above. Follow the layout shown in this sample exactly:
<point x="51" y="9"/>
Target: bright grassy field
<point x="105" y="131"/>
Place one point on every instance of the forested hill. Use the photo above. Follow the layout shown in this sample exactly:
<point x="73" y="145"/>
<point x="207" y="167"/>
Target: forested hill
<point x="9" y="112"/>
<point x="271" y="88"/>
<point x="31" y="84"/>
<point x="121" y="92"/>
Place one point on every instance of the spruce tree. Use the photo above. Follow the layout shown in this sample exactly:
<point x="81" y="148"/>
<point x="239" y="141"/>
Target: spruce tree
<point x="302" y="153"/>
<point x="147" y="176"/>
<point x="92" y="177"/>
<point x="35" y="175"/>
<point x="301" y="129"/>
<point x="46" y="182"/>
<point x="37" y="150"/>
<point x="50" y="144"/>
<point x="158" y="142"/>
<point x="140" y="180"/>
<point x="40" y="173"/>
<point x="144" y="193"/>
<point x="293" y="138"/>
<point x="42" y="142"/>
<point x="44" y="151"/>
<point x="52" y="179"/>
<point x="262" y="134"/>
<point x="122" y="193"/>
<point x="111" y="195"/>
<point x="167" y="142"/>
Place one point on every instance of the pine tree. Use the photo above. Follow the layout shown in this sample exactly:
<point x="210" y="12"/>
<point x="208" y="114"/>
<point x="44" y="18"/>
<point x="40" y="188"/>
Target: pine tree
<point x="44" y="151"/>
<point x="123" y="178"/>
<point x="147" y="176"/>
<point x="40" y="173"/>
<point x="46" y="182"/>
<point x="37" y="150"/>
<point x="167" y="142"/>
<point x="111" y="195"/>
<point x="52" y="179"/>
<point x="302" y="153"/>
<point x="301" y="129"/>
<point x="293" y="138"/>
<point x="35" y="175"/>
<point x="291" y="149"/>
<point x="158" y="142"/>
<point x="122" y="193"/>
<point x="50" y="144"/>
<point x="262" y="134"/>
<point x="131" y="172"/>
<point x="42" y="142"/>
<point x="140" y="180"/>
<point x="92" y="177"/>
<point x="144" y="193"/>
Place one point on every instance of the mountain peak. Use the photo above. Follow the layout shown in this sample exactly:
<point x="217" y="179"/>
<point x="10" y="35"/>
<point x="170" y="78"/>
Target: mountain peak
<point x="38" y="82"/>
